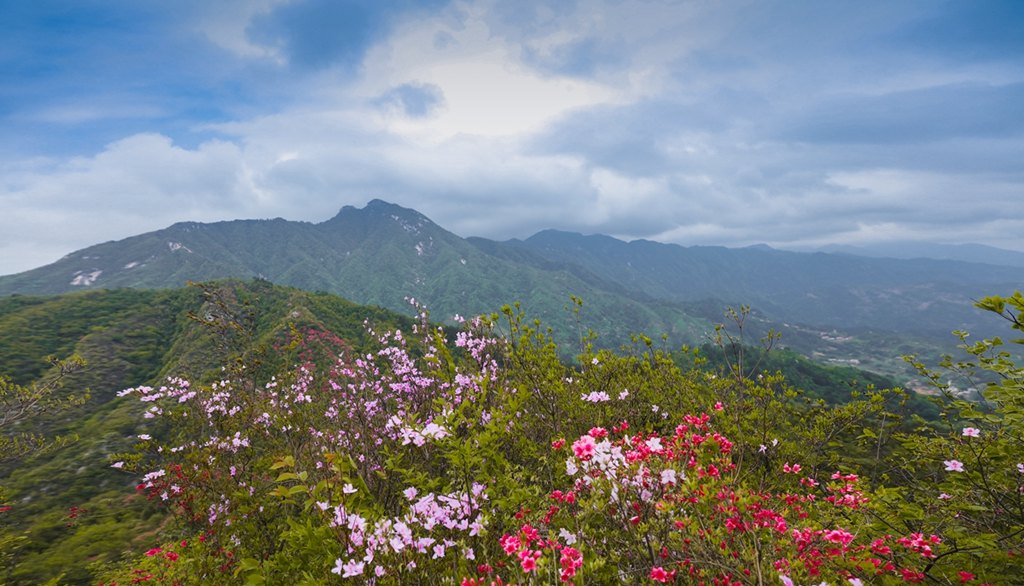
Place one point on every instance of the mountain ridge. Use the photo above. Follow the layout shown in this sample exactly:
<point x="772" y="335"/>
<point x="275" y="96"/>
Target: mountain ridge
<point x="383" y="254"/>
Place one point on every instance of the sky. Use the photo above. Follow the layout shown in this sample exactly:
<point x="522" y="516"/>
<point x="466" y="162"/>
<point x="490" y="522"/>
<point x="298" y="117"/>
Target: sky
<point x="728" y="122"/>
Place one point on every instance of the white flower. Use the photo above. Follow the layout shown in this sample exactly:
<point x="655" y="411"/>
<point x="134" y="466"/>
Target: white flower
<point x="570" y="467"/>
<point x="348" y="489"/>
<point x="668" y="476"/>
<point x="567" y="537"/>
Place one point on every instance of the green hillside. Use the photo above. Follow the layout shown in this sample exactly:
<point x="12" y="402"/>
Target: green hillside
<point x="128" y="338"/>
<point x="132" y="337"/>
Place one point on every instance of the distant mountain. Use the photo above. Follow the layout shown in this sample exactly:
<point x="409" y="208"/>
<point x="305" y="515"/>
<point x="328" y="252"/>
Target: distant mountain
<point x="978" y="253"/>
<point x="837" y="290"/>
<point x="380" y="255"/>
<point x="383" y="254"/>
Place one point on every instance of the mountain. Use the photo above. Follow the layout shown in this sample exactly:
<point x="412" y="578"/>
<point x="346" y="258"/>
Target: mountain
<point x="382" y="255"/>
<point x="923" y="296"/>
<point x="835" y="307"/>
<point x="965" y="252"/>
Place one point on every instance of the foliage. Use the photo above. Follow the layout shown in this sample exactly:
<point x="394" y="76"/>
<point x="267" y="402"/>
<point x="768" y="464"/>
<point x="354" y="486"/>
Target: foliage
<point x="129" y="338"/>
<point x="19" y="404"/>
<point x="480" y="458"/>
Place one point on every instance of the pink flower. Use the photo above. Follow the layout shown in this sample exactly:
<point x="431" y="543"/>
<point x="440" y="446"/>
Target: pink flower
<point x="528" y="563"/>
<point x="584" y="447"/>
<point x="718" y="406"/>
<point x="954" y="465"/>
<point x="658" y="574"/>
<point x="352" y="568"/>
<point x="971" y="432"/>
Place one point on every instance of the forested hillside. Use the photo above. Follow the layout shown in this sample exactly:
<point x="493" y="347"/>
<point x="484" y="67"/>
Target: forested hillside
<point x="480" y="405"/>
<point x="127" y="338"/>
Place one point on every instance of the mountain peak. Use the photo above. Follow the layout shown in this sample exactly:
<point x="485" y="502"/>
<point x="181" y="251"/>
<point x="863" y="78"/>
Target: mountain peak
<point x="379" y="207"/>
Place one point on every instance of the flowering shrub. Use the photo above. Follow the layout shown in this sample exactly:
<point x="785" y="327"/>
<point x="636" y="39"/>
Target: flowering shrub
<point x="478" y="458"/>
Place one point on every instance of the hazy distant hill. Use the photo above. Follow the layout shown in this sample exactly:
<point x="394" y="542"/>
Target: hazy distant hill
<point x="380" y="254"/>
<point x="965" y="252"/>
<point x="837" y="290"/>
<point x="383" y="254"/>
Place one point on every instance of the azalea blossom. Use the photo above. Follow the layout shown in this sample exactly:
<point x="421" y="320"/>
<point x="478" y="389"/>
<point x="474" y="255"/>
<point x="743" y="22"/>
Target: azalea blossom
<point x="584" y="447"/>
<point x="954" y="465"/>
<point x="668" y="476"/>
<point x="568" y="537"/>
<point x="352" y="568"/>
<point x="971" y="432"/>
<point x="658" y="574"/>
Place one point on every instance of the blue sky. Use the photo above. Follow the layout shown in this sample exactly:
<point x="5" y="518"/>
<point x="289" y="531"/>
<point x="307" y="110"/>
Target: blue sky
<point x="794" y="123"/>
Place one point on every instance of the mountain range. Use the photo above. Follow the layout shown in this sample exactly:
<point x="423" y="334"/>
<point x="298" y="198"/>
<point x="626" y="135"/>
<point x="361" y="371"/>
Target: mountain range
<point x="385" y="254"/>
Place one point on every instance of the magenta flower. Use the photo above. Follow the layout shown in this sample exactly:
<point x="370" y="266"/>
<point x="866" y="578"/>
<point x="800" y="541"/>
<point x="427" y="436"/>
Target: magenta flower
<point x="659" y="574"/>
<point x="954" y="465"/>
<point x="584" y="447"/>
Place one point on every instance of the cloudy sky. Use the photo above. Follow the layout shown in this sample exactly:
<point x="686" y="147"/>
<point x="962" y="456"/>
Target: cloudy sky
<point x="794" y="123"/>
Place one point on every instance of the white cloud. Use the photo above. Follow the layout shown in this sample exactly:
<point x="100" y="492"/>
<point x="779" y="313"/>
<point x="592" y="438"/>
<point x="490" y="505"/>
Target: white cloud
<point x="141" y="183"/>
<point x="487" y="89"/>
<point x="662" y="120"/>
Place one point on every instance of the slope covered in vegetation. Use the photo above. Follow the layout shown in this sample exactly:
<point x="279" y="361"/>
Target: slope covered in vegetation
<point x="296" y="444"/>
